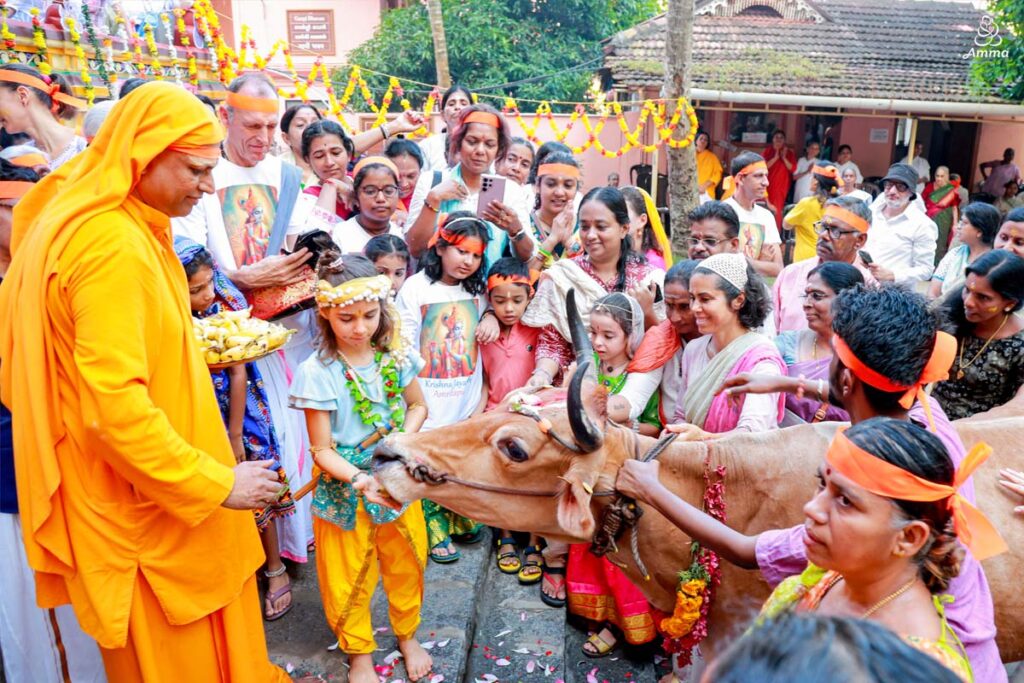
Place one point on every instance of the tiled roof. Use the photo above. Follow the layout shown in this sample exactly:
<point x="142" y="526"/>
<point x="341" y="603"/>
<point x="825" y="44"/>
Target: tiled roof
<point x="899" y="49"/>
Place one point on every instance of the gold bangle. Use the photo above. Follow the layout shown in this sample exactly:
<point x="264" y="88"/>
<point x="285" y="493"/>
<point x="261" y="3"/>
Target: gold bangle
<point x="313" y="450"/>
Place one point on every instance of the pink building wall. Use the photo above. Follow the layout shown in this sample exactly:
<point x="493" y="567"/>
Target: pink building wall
<point x="993" y="138"/>
<point x="872" y="158"/>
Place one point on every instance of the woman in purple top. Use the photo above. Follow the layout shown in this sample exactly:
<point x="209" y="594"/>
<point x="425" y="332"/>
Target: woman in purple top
<point x="892" y="332"/>
<point x="808" y="352"/>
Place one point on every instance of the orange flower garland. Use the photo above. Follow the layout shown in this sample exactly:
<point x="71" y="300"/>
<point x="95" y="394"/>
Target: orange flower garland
<point x="5" y="31"/>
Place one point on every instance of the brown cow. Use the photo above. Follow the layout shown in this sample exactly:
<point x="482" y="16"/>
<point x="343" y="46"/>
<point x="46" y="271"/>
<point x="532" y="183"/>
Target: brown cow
<point x="513" y="474"/>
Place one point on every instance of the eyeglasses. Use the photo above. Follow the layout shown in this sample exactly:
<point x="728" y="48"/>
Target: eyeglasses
<point x="707" y="242"/>
<point x="814" y="296"/>
<point x="371" y="191"/>
<point x="900" y="187"/>
<point x="834" y="231"/>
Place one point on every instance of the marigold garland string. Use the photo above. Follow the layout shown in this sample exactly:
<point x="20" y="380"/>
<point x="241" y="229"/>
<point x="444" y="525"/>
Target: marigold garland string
<point x="90" y="31"/>
<point x="83" y="63"/>
<point x="6" y="36"/>
<point x="39" y="40"/>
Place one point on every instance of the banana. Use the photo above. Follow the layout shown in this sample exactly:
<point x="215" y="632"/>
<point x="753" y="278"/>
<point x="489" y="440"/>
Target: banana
<point x="233" y="354"/>
<point x="212" y="357"/>
<point x="233" y="336"/>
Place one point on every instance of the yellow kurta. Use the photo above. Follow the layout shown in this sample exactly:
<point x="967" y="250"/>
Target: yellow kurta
<point x="708" y="168"/>
<point x="122" y="460"/>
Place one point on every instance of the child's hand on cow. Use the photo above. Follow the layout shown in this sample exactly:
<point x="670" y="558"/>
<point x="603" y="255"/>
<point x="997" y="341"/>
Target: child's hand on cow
<point x="368" y="487"/>
<point x="638" y="479"/>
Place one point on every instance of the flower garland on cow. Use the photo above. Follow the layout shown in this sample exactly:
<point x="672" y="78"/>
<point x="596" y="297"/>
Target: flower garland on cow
<point x="687" y="627"/>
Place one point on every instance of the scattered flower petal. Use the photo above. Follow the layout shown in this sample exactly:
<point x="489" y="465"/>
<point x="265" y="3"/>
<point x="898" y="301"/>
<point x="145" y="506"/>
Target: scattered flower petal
<point x="502" y="662"/>
<point x="332" y="648"/>
<point x="591" y="678"/>
<point x="429" y="645"/>
<point x="382" y="629"/>
<point x="443" y="643"/>
<point x="391" y="658"/>
<point x="521" y="651"/>
<point x="503" y="633"/>
<point x="487" y="678"/>
<point x="530" y="666"/>
<point x="522" y="616"/>
<point x="289" y="667"/>
<point x="437" y="678"/>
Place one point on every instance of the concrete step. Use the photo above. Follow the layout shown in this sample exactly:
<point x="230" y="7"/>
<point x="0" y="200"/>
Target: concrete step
<point x="299" y="641"/>
<point x="518" y="638"/>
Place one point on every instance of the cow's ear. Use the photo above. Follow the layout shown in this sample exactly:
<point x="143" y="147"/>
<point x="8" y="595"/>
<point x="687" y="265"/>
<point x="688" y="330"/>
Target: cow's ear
<point x="574" y="515"/>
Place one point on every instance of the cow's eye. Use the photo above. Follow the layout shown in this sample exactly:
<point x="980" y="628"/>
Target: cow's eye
<point x="513" y="450"/>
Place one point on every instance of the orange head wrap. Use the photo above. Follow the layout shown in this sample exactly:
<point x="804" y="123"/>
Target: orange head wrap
<point x="473" y="245"/>
<point x="848" y="217"/>
<point x="29" y="160"/>
<point x="97" y="181"/>
<point x="729" y="182"/>
<point x="265" y="105"/>
<point x="514" y="279"/>
<point x="366" y="161"/>
<point x="484" y="117"/>
<point x="937" y="369"/>
<point x="826" y="171"/>
<point x="52" y="89"/>
<point x="14" y="189"/>
<point x="884" y="479"/>
<point x="558" y="169"/>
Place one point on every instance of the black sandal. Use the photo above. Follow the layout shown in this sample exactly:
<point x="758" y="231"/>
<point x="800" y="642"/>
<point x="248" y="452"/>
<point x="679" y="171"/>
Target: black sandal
<point x="545" y="598"/>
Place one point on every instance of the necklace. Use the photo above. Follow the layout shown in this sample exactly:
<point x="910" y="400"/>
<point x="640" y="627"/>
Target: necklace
<point x="889" y="598"/>
<point x="392" y="392"/>
<point x="963" y="344"/>
<point x="614" y="384"/>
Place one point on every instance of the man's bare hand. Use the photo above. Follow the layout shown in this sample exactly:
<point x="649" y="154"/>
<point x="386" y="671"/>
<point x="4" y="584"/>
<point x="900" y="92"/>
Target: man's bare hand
<point x="273" y="271"/>
<point x="256" y="486"/>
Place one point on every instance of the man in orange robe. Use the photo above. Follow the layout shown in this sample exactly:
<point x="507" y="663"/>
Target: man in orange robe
<point x="131" y="500"/>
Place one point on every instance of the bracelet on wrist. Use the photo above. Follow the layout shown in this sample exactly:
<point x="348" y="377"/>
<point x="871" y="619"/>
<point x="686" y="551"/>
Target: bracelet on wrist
<point x="355" y="476"/>
<point x="435" y="209"/>
<point x="384" y="131"/>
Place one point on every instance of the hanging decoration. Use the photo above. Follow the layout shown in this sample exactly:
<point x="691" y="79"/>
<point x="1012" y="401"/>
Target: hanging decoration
<point x="83" y="63"/>
<point x="39" y="40"/>
<point x="671" y="123"/>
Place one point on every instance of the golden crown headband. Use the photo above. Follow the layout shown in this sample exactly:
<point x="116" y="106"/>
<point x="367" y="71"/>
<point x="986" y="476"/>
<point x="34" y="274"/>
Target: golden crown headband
<point x="350" y="292"/>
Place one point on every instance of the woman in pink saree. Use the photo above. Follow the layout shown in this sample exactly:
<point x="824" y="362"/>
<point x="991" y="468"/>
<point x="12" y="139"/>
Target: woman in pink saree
<point x="808" y="352"/>
<point x="729" y="301"/>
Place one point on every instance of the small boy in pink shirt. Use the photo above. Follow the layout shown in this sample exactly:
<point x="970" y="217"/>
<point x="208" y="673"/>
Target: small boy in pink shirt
<point x="508" y="363"/>
<point x="509" y="360"/>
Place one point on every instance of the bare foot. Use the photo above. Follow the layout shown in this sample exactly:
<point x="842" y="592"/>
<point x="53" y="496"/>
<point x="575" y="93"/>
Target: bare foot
<point x="360" y="669"/>
<point x="417" y="661"/>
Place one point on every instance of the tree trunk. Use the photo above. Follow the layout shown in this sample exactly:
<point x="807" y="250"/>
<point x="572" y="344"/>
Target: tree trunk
<point x="682" y="163"/>
<point x="444" y="78"/>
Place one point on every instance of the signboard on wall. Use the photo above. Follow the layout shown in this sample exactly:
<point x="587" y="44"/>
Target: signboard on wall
<point x="311" y="30"/>
<point x="879" y="136"/>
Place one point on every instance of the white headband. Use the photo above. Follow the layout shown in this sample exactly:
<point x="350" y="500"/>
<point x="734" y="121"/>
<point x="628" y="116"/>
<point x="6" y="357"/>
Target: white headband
<point x="730" y="267"/>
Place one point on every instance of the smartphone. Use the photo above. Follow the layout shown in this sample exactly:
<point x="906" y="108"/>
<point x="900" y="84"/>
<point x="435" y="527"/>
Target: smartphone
<point x="865" y="257"/>
<point x="492" y="187"/>
<point x="658" y="296"/>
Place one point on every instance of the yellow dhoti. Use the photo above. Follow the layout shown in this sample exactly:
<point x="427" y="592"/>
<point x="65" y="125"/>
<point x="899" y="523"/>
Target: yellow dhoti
<point x="348" y="564"/>
<point x="227" y="646"/>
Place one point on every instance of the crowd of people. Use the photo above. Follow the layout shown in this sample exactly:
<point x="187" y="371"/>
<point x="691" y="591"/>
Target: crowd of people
<point x="129" y="465"/>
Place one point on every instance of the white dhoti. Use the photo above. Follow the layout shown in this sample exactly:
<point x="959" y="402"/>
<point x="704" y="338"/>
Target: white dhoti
<point x="30" y="644"/>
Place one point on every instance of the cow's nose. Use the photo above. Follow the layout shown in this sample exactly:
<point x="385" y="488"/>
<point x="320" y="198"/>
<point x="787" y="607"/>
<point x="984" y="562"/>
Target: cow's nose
<point x="383" y="455"/>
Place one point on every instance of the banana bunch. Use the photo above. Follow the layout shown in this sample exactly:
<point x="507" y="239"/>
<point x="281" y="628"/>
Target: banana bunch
<point x="233" y="337"/>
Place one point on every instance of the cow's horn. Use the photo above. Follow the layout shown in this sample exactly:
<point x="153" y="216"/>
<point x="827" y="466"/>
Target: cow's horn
<point x="588" y="437"/>
<point x="580" y="339"/>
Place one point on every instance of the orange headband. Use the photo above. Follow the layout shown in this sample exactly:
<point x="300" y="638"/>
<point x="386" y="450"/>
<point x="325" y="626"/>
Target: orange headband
<point x="14" y="189"/>
<point x="264" y="105"/>
<point x="29" y="160"/>
<point x="848" y="217"/>
<point x="203" y="151"/>
<point x="972" y="527"/>
<point x="473" y="245"/>
<point x="484" y="117"/>
<point x="515" y="279"/>
<point x="937" y="369"/>
<point x="366" y="161"/>
<point x="827" y="171"/>
<point x="729" y="182"/>
<point x="558" y="169"/>
<point x="52" y="89"/>
<point x="760" y="165"/>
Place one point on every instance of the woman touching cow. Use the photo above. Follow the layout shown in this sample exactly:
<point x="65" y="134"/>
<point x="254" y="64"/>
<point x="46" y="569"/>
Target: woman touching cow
<point x="729" y="300"/>
<point x="892" y="340"/>
<point x="880" y="538"/>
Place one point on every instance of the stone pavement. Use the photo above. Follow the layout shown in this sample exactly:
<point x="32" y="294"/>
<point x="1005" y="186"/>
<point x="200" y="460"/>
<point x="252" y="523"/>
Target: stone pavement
<point x="483" y="626"/>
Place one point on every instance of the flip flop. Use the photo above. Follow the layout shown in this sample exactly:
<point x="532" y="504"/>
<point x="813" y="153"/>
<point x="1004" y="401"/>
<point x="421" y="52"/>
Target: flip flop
<point x="274" y="597"/>
<point x="510" y="568"/>
<point x="545" y="598"/>
<point x="445" y="559"/>
<point x="531" y="578"/>
<point x="601" y="647"/>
